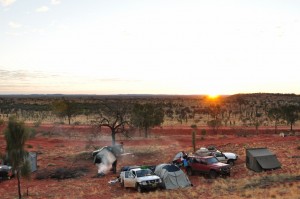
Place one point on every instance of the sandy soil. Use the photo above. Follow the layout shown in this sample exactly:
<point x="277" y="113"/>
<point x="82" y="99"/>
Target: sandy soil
<point x="71" y="149"/>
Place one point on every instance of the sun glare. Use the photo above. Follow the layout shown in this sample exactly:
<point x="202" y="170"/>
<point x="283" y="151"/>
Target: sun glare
<point x="212" y="96"/>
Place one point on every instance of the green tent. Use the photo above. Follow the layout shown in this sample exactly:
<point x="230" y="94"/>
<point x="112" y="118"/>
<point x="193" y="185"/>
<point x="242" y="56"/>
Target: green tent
<point x="260" y="159"/>
<point x="172" y="176"/>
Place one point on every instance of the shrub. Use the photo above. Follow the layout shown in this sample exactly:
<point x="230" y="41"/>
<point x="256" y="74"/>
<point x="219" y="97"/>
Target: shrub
<point x="37" y="123"/>
<point x="2" y="122"/>
<point x="193" y="126"/>
<point x="32" y="133"/>
<point x="203" y="132"/>
<point x="61" y="173"/>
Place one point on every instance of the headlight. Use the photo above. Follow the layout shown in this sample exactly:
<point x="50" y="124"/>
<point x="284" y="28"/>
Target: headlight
<point x="160" y="181"/>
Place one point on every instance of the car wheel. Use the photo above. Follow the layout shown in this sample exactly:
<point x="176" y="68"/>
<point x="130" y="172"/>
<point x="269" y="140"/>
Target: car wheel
<point x="230" y="162"/>
<point x="212" y="174"/>
<point x="139" y="189"/>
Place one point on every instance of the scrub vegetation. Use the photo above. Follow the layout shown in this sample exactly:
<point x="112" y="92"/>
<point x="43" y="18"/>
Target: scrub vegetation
<point x="65" y="163"/>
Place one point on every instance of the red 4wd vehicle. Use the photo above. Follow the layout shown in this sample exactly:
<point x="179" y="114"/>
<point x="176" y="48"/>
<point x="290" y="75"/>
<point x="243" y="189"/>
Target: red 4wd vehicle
<point x="207" y="165"/>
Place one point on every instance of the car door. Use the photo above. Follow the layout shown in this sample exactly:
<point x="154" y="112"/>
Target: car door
<point x="221" y="157"/>
<point x="204" y="166"/>
<point x="195" y="164"/>
<point x="129" y="179"/>
<point x="200" y="166"/>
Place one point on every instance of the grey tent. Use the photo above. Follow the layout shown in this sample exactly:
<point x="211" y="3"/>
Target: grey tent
<point x="259" y="159"/>
<point x="32" y="158"/>
<point x="104" y="159"/>
<point x="172" y="176"/>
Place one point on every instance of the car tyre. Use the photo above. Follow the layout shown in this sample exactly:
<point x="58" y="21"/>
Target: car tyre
<point x="230" y="162"/>
<point x="213" y="174"/>
<point x="139" y="189"/>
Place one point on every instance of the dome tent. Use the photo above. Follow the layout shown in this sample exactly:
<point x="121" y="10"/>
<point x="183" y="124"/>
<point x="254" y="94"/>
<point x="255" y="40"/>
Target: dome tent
<point x="172" y="176"/>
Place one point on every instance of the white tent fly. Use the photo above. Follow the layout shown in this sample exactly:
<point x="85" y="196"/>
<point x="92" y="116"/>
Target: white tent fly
<point x="104" y="159"/>
<point x="178" y="156"/>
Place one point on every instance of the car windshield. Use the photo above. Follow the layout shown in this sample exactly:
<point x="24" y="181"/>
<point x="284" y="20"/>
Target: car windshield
<point x="143" y="172"/>
<point x="212" y="160"/>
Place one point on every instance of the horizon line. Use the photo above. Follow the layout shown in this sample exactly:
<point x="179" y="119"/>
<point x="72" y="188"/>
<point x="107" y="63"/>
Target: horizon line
<point x="136" y="94"/>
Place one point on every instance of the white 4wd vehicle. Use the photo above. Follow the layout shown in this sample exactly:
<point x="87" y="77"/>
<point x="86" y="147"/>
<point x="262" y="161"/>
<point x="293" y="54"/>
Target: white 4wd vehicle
<point x="141" y="179"/>
<point x="225" y="157"/>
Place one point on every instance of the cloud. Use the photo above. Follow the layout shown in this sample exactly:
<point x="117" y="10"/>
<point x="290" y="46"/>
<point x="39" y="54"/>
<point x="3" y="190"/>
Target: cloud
<point x="42" y="9"/>
<point x="7" y="2"/>
<point x="13" y="24"/>
<point x="55" y="2"/>
<point x="23" y="75"/>
<point x="116" y="80"/>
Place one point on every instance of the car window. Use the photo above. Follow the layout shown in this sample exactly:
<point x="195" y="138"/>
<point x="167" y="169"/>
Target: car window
<point x="218" y="154"/>
<point x="212" y="160"/>
<point x="144" y="172"/>
<point x="126" y="174"/>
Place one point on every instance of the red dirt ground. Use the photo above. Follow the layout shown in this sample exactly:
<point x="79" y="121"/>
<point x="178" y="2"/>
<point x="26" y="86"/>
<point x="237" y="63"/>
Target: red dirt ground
<point x="72" y="148"/>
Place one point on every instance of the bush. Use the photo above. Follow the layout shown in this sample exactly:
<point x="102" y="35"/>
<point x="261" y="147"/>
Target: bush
<point x="32" y="133"/>
<point x="37" y="123"/>
<point x="61" y="173"/>
<point x="2" y="122"/>
<point x="193" y="126"/>
<point x="203" y="132"/>
<point x="76" y="123"/>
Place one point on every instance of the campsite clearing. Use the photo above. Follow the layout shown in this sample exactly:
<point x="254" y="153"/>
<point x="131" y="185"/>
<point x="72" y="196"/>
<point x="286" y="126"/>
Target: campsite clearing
<point x="58" y="154"/>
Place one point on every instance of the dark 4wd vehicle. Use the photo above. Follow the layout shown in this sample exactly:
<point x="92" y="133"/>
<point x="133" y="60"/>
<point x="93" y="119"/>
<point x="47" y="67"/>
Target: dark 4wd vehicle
<point x="5" y="172"/>
<point x="208" y="165"/>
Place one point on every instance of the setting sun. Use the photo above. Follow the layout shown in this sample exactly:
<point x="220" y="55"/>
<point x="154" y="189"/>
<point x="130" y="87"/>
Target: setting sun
<point x="213" y="96"/>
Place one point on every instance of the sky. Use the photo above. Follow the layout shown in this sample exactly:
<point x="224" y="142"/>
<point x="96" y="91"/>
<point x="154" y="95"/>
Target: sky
<point x="149" y="46"/>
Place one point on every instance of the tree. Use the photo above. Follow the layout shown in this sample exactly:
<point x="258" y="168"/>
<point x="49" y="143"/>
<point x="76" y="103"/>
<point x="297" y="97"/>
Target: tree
<point x="16" y="135"/>
<point x="65" y="108"/>
<point x="275" y="114"/>
<point x="290" y="114"/>
<point x="183" y="114"/>
<point x="194" y="127"/>
<point x="147" y="116"/>
<point x="215" y="111"/>
<point x="214" y="124"/>
<point x="241" y="101"/>
<point x="113" y="116"/>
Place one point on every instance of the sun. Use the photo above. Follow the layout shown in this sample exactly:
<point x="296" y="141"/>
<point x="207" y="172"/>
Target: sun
<point x="213" y="96"/>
